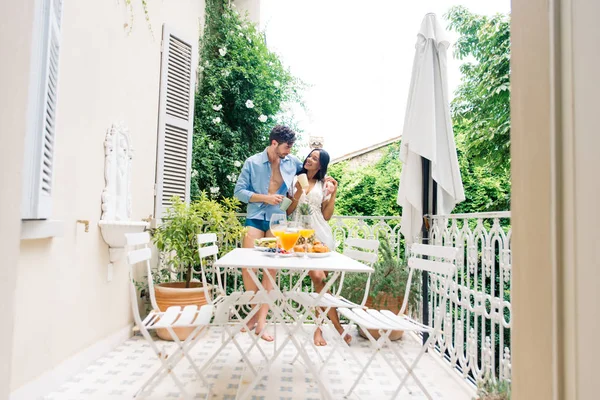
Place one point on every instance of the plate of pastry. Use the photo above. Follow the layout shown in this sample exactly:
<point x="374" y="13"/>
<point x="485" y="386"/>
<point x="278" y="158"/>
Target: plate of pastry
<point x="315" y="250"/>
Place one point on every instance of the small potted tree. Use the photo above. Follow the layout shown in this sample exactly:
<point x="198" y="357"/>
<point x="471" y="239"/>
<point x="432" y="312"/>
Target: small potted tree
<point x="388" y="285"/>
<point x="178" y="282"/>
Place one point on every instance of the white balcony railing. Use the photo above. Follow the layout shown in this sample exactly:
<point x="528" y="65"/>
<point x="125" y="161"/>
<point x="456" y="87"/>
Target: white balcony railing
<point x="477" y="322"/>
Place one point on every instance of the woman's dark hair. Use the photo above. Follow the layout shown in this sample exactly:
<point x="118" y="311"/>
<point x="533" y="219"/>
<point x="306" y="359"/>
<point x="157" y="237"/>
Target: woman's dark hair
<point x="323" y="160"/>
<point x="282" y="134"/>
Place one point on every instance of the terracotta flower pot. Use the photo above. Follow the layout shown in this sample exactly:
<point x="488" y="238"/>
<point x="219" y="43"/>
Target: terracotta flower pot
<point x="176" y="294"/>
<point x="384" y="301"/>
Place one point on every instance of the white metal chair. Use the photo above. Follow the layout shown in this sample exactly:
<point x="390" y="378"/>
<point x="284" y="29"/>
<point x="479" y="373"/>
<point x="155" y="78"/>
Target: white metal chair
<point x="174" y="317"/>
<point x="385" y="321"/>
<point x="363" y="250"/>
<point x="226" y="306"/>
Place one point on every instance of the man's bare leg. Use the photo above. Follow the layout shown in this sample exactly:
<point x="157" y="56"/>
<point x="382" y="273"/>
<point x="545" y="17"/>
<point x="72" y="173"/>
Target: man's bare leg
<point x="318" y="278"/>
<point x="259" y="320"/>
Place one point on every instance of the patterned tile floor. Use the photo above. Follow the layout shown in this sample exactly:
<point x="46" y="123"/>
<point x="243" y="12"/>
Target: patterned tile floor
<point x="120" y="373"/>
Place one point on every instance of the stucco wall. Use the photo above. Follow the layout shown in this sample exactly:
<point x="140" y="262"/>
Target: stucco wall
<point x="13" y="100"/>
<point x="64" y="302"/>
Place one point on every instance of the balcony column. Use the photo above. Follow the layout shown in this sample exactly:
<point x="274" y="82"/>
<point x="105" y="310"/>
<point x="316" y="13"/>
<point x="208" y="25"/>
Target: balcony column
<point x="555" y="192"/>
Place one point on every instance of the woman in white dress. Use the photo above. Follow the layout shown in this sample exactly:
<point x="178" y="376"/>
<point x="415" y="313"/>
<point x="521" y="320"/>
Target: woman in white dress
<point x="320" y="196"/>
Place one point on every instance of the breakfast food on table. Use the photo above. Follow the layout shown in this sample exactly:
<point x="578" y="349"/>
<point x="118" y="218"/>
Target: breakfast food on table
<point x="314" y="247"/>
<point x="268" y="243"/>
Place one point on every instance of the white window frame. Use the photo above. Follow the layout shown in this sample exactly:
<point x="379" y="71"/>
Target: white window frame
<point x="40" y="138"/>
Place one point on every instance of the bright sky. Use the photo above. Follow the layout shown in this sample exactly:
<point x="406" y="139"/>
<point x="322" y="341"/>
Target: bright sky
<point x="357" y="57"/>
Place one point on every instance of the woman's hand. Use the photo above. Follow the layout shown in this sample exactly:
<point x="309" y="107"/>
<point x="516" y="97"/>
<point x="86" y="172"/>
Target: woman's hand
<point x="333" y="182"/>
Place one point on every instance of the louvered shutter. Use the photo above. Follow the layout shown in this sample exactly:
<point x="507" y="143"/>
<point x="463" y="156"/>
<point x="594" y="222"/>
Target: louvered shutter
<point x="175" y="119"/>
<point x="39" y="174"/>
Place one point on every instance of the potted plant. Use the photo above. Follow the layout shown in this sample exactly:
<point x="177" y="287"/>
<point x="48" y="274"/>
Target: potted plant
<point x="178" y="283"/>
<point x="492" y="389"/>
<point x="388" y="285"/>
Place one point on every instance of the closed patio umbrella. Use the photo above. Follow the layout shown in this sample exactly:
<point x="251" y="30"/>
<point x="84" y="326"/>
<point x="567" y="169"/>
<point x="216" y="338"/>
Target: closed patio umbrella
<point x="428" y="150"/>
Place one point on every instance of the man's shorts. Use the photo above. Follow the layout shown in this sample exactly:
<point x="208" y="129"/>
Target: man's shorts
<point x="261" y="224"/>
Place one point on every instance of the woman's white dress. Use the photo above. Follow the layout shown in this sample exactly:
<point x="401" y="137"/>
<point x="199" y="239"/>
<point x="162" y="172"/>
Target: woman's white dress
<point x="315" y="199"/>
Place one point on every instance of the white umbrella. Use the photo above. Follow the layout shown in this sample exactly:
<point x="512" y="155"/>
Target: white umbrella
<point x="428" y="132"/>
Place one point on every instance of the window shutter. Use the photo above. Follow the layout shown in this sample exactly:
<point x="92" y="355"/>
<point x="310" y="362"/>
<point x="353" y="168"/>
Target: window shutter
<point x="175" y="119"/>
<point x="40" y="157"/>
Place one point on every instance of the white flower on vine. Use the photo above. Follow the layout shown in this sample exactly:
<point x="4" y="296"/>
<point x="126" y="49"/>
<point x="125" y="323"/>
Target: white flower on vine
<point x="241" y="34"/>
<point x="262" y="118"/>
<point x="218" y="108"/>
<point x="226" y="16"/>
<point x="225" y="73"/>
<point x="237" y="164"/>
<point x="211" y="146"/>
<point x="239" y="27"/>
<point x="214" y="190"/>
<point x="276" y="83"/>
<point x="249" y="104"/>
<point x="216" y="121"/>
<point x="206" y="64"/>
<point x="270" y="63"/>
<point x="223" y="51"/>
<point x="194" y="173"/>
<point x="201" y="68"/>
<point x="249" y="40"/>
<point x="231" y="177"/>
<point x="233" y="5"/>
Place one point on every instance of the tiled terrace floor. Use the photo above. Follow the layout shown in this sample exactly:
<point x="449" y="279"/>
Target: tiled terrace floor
<point x="119" y="374"/>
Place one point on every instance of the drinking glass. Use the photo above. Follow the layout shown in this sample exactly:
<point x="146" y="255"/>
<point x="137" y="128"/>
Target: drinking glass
<point x="290" y="236"/>
<point x="306" y="231"/>
<point x="277" y="225"/>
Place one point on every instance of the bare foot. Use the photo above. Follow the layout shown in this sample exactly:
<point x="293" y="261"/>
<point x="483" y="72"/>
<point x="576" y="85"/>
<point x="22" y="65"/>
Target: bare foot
<point x="319" y="339"/>
<point x="347" y="338"/>
<point x="263" y="335"/>
<point x="250" y="326"/>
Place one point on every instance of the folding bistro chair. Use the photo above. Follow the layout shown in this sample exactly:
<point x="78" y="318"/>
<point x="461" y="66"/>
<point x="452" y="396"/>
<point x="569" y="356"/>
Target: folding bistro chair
<point x="174" y="317"/>
<point x="385" y="321"/>
<point x="227" y="315"/>
<point x="363" y="250"/>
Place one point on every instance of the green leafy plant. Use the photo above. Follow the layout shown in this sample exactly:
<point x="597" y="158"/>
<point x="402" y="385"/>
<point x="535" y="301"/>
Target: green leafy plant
<point x="492" y="389"/>
<point x="176" y="236"/>
<point x="387" y="282"/>
<point x="244" y="90"/>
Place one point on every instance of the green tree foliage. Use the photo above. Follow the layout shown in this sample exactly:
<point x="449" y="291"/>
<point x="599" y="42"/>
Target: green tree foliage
<point x="243" y="88"/>
<point x="369" y="190"/>
<point x="481" y="108"/>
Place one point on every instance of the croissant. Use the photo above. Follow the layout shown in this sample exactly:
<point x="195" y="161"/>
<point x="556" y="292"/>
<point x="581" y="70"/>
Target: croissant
<point x="320" y="248"/>
<point x="299" y="248"/>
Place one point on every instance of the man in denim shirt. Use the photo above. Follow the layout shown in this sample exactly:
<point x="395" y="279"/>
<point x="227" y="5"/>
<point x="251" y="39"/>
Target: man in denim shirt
<point x="263" y="183"/>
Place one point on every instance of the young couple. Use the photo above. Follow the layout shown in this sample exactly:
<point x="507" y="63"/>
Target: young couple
<point x="265" y="180"/>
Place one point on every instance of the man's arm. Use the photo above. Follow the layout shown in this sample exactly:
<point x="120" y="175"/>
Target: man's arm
<point x="242" y="186"/>
<point x="243" y="193"/>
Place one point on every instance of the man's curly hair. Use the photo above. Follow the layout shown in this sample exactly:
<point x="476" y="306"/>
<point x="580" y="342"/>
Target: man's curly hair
<point x="282" y="134"/>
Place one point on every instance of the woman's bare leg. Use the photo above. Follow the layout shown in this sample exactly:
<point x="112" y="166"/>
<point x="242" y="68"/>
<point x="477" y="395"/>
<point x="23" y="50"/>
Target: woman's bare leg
<point x="318" y="278"/>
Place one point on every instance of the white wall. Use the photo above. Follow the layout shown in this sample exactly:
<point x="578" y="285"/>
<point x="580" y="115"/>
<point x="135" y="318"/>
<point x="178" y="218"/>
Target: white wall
<point x="13" y="100"/>
<point x="63" y="300"/>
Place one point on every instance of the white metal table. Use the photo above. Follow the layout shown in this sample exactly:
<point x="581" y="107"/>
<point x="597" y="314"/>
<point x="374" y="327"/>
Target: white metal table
<point x="251" y="259"/>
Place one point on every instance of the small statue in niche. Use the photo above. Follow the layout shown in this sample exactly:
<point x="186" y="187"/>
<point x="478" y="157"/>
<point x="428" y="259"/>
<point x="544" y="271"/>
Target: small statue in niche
<point x="116" y="197"/>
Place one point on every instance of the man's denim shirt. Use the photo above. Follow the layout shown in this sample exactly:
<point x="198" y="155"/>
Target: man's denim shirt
<point x="255" y="177"/>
